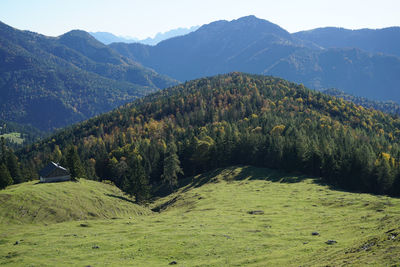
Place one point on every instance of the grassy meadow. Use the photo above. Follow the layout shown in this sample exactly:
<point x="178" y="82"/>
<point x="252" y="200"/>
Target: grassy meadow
<point x="13" y="137"/>
<point x="239" y="216"/>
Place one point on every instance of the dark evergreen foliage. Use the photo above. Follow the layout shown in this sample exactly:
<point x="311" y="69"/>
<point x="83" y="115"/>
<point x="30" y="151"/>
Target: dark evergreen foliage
<point x="10" y="171"/>
<point x="234" y="119"/>
<point x="5" y="176"/>
<point x="74" y="164"/>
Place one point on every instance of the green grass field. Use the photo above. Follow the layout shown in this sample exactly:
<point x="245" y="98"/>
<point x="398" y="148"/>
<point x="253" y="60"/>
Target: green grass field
<point x="239" y="216"/>
<point x="13" y="137"/>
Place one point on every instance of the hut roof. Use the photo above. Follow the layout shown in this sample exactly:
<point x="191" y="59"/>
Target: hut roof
<point x="50" y="168"/>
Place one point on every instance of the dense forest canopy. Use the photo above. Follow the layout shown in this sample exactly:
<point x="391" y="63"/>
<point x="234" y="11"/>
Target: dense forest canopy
<point x="385" y="106"/>
<point x="226" y="120"/>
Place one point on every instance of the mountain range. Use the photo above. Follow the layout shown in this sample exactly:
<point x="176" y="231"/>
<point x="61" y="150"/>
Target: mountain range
<point x="257" y="46"/>
<point x="108" y="38"/>
<point x="386" y="41"/>
<point x="234" y="169"/>
<point x="52" y="82"/>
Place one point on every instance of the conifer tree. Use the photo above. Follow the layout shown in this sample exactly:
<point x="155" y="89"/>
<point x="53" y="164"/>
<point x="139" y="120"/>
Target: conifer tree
<point x="13" y="167"/>
<point x="2" y="150"/>
<point x="172" y="166"/>
<point x="5" y="177"/>
<point x="74" y="164"/>
<point x="137" y="182"/>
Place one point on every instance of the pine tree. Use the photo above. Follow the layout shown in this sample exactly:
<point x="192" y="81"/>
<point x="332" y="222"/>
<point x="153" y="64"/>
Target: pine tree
<point x="2" y="150"/>
<point x="137" y="182"/>
<point x="172" y="166"/>
<point x="13" y="167"/>
<point x="5" y="177"/>
<point x="383" y="175"/>
<point x="74" y="164"/>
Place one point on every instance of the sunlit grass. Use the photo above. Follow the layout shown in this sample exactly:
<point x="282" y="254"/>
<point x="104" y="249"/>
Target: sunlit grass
<point x="14" y="137"/>
<point x="209" y="222"/>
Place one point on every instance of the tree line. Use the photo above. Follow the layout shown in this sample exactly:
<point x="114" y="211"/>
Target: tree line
<point x="226" y="120"/>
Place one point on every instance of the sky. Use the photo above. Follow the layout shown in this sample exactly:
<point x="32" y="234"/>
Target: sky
<point x="145" y="18"/>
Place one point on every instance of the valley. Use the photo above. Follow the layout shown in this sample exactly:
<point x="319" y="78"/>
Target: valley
<point x="212" y="220"/>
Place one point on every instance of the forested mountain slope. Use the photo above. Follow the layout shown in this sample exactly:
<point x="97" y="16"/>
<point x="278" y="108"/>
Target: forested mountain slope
<point x="257" y="46"/>
<point x="385" y="106"/>
<point x="53" y="82"/>
<point x="226" y="120"/>
<point x="386" y="40"/>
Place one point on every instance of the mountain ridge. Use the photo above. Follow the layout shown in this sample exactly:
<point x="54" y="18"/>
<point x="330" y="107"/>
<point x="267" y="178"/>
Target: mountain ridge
<point x="384" y="40"/>
<point x="108" y="38"/>
<point x="49" y="84"/>
<point x="258" y="46"/>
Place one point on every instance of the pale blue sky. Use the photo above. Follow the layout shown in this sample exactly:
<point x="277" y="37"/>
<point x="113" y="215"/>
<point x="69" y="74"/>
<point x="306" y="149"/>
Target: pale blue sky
<point x="147" y="17"/>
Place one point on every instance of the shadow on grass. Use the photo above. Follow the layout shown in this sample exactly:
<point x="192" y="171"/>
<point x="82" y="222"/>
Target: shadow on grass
<point x="121" y="197"/>
<point x="238" y="173"/>
<point x="254" y="173"/>
<point x="230" y="174"/>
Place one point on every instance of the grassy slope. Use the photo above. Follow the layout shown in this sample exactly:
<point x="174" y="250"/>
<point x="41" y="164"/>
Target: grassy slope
<point x="207" y="223"/>
<point x="34" y="202"/>
<point x="13" y="137"/>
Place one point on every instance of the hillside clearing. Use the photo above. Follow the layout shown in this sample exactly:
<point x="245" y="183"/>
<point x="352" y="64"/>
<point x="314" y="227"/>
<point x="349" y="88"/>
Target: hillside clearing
<point x="14" y="137"/>
<point x="35" y="202"/>
<point x="239" y="216"/>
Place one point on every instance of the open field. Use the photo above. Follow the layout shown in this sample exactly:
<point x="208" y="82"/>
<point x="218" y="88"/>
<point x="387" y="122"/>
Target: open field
<point x="13" y="137"/>
<point x="239" y="216"/>
<point x="38" y="203"/>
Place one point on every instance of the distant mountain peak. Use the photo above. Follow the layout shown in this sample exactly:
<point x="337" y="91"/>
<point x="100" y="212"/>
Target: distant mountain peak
<point x="247" y="24"/>
<point x="109" y="38"/>
<point x="79" y="34"/>
<point x="251" y="19"/>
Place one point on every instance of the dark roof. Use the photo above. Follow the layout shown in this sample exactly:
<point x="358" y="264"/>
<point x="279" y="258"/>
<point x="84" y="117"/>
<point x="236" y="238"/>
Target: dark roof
<point x="50" y="168"/>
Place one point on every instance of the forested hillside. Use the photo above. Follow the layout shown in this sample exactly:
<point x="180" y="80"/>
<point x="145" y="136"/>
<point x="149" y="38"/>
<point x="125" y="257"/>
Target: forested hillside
<point x="16" y="135"/>
<point x="385" y="106"/>
<point x="53" y="82"/>
<point x="227" y="120"/>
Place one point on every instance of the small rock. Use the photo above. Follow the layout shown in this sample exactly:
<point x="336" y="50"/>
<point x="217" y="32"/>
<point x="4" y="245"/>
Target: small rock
<point x="173" y="263"/>
<point x="314" y="233"/>
<point x="331" y="242"/>
<point x="95" y="247"/>
<point x="256" y="212"/>
<point x="84" y="225"/>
